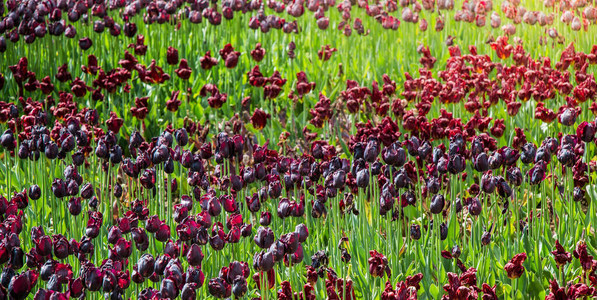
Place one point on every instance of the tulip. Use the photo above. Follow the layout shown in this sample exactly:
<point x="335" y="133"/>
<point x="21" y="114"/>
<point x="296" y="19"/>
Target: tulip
<point x="514" y="267"/>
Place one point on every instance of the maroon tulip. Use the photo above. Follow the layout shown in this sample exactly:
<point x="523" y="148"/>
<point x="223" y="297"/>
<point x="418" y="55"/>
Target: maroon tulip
<point x="561" y="256"/>
<point x="257" y="54"/>
<point x="20" y="285"/>
<point x="586" y="260"/>
<point x="43" y="245"/>
<point x="207" y="61"/>
<point x="585" y="131"/>
<point x="514" y="267"/>
<point x="183" y="71"/>
<point x="172" y="56"/>
<point x="76" y="287"/>
<point x="378" y="264"/>
<point x="259" y="119"/>
<point x="229" y="56"/>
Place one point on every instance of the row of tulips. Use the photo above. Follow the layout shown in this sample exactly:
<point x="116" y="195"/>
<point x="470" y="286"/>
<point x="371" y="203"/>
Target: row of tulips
<point x="34" y="19"/>
<point x="403" y="185"/>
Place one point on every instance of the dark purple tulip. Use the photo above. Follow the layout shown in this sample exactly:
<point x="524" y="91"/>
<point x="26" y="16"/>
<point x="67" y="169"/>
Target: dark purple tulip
<point x="172" y="249"/>
<point x="152" y="224"/>
<point x="486" y="237"/>
<point x="74" y="206"/>
<point x="568" y="117"/>
<point x="85" y="43"/>
<point x="433" y="185"/>
<point x="443" y="231"/>
<point x="195" y="255"/>
<point x="274" y="189"/>
<point x="145" y="265"/>
<point x="3" y="205"/>
<point x="456" y="164"/>
<point x="114" y="234"/>
<point x="217" y="242"/>
<point x="537" y="173"/>
<point x="543" y="154"/>
<point x="239" y="287"/>
<point x="386" y="203"/>
<point x="195" y="276"/>
<point x="76" y="287"/>
<point x="58" y="188"/>
<point x="528" y="153"/>
<point x="246" y="230"/>
<point x="318" y="210"/>
<point x="442" y="165"/>
<point x="264" y="237"/>
<point x="123" y="248"/>
<point x="510" y="155"/>
<point x="263" y="261"/>
<point x="86" y="246"/>
<point x="34" y="192"/>
<point x="20" y="286"/>
<point x="6" y="276"/>
<point x="496" y="160"/>
<point x="117" y="190"/>
<point x="61" y="248"/>
<point x="213" y="207"/>
<point x="168" y="289"/>
<point x="7" y="140"/>
<point x="20" y="199"/>
<point x="566" y="157"/>
<point x="87" y="191"/>
<point x="481" y="162"/>
<point x="17" y="258"/>
<point x="253" y="203"/>
<point x="172" y="56"/>
<point x="504" y="190"/>
<point x="474" y="206"/>
<point x="54" y="284"/>
<point x="363" y="178"/>
<point x="514" y="176"/>
<point x="163" y="233"/>
<point x="302" y="231"/>
<point x="277" y="250"/>
<point x="265" y="219"/>
<point x="72" y="188"/>
<point x="188" y="291"/>
<point x="109" y="281"/>
<point x="284" y="208"/>
<point x="578" y="194"/>
<point x="415" y="232"/>
<point x="338" y="179"/>
<point x="586" y="131"/>
<point x="130" y="29"/>
<point x="44" y="245"/>
<point x="70" y="31"/>
<point x="160" y="264"/>
<point x="488" y="183"/>
<point x="437" y="204"/>
<point x="371" y="150"/>
<point x="219" y="288"/>
<point x="180" y="213"/>
<point x="229" y="203"/>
